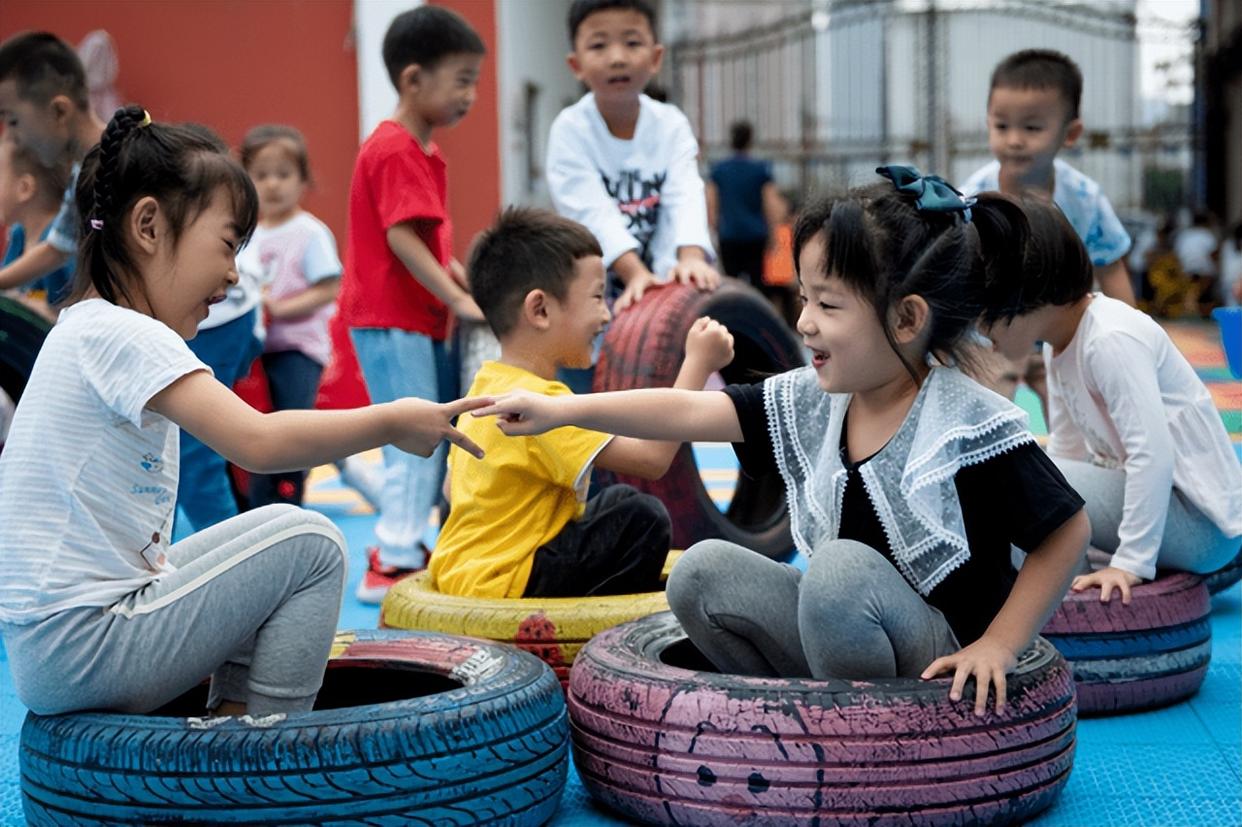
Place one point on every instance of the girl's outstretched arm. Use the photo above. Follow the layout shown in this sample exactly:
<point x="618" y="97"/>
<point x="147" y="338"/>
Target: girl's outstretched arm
<point x="1039" y="589"/>
<point x="289" y="440"/>
<point x="655" y="413"/>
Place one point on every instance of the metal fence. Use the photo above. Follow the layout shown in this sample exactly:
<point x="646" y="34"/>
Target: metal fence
<point x="836" y="87"/>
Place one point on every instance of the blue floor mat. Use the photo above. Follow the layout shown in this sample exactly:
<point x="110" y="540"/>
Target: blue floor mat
<point x="1177" y="767"/>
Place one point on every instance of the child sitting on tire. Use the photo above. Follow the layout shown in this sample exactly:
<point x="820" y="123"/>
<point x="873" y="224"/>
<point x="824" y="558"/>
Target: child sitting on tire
<point x="521" y="525"/>
<point x="1131" y="426"/>
<point x="907" y="481"/>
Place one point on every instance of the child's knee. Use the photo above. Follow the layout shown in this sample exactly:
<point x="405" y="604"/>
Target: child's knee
<point x="844" y="569"/>
<point x="650" y="511"/>
<point x="693" y="574"/>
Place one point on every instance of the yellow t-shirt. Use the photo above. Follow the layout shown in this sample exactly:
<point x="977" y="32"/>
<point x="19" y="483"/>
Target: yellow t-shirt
<point x="514" y="500"/>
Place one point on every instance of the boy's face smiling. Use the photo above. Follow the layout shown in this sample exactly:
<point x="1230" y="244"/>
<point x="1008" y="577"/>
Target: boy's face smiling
<point x="615" y="54"/>
<point x="581" y="315"/>
<point x="1026" y="130"/>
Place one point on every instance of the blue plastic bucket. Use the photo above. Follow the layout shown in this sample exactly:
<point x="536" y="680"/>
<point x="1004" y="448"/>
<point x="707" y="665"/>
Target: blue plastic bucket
<point x="1230" y="321"/>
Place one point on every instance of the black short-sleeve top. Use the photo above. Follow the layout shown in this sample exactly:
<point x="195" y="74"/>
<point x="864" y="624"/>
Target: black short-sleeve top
<point x="1017" y="498"/>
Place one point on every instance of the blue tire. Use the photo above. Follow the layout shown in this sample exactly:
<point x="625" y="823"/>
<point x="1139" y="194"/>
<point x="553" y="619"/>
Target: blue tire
<point x="1224" y="577"/>
<point x="410" y="728"/>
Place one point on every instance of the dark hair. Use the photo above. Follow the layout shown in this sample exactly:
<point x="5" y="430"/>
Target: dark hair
<point x="181" y="166"/>
<point x="1040" y="69"/>
<point x="260" y="136"/>
<point x="740" y="135"/>
<point x="582" y="9"/>
<point x="884" y="249"/>
<point x="526" y="249"/>
<point x="1054" y="267"/>
<point x="426" y="35"/>
<point x="51" y="181"/>
<point x="44" y="66"/>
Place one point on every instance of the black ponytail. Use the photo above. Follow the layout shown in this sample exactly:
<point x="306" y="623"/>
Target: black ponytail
<point x="1030" y="257"/>
<point x="181" y="166"/>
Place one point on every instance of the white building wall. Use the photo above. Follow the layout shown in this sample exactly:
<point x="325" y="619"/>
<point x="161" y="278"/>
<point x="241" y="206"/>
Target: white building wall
<point x="534" y="85"/>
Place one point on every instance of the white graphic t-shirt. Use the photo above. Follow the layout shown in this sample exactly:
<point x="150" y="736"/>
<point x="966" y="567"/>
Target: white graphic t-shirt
<point x="643" y="194"/>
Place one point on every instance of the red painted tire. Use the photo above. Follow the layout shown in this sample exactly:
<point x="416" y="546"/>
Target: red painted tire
<point x="644" y="347"/>
<point x="1151" y="653"/>
<point x="670" y="745"/>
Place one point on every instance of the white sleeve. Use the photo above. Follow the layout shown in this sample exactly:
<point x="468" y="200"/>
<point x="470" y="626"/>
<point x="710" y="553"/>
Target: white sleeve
<point x="1065" y="439"/>
<point x="684" y="197"/>
<point x="578" y="192"/>
<point x="128" y="362"/>
<point x="319" y="260"/>
<point x="1122" y="368"/>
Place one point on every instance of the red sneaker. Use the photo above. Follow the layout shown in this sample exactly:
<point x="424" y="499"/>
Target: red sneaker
<point x="378" y="578"/>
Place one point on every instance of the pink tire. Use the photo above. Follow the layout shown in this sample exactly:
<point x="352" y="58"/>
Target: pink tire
<point x="1151" y="653"/>
<point x="664" y="744"/>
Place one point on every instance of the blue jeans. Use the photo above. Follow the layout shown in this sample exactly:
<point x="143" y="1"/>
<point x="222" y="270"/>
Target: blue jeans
<point x="203" y="490"/>
<point x="293" y="380"/>
<point x="396" y="364"/>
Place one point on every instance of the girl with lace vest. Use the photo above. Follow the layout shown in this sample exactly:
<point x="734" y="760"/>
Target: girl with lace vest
<point x="1132" y="427"/>
<point x="907" y="481"/>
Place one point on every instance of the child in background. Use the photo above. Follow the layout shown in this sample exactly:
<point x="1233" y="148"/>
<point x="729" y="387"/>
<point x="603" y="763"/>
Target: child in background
<point x="97" y="609"/>
<point x="45" y="108"/>
<point x="1131" y="426"/>
<point x="401" y="279"/>
<point x="292" y="254"/>
<point x="624" y="165"/>
<point x="907" y="482"/>
<point x="30" y="195"/>
<point x="1032" y="114"/>
<point x="521" y="525"/>
<point x="743" y="207"/>
<point x="1231" y="267"/>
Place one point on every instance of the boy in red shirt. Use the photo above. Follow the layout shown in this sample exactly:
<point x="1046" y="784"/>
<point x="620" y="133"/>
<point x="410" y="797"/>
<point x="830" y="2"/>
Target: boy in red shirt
<point x="400" y="278"/>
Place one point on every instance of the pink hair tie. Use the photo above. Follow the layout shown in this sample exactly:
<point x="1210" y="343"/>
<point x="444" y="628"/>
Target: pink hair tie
<point x="96" y="224"/>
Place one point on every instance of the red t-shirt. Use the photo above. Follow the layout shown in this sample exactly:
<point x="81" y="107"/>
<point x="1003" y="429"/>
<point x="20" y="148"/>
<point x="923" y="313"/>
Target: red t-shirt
<point x="394" y="181"/>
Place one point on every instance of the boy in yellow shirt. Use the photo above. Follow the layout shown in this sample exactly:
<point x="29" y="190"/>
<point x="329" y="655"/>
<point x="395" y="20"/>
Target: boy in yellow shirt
<point x="520" y="524"/>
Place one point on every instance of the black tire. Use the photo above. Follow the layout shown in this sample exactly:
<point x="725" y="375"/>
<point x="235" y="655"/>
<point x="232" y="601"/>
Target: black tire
<point x="663" y="741"/>
<point x="644" y="347"/>
<point x="22" y="332"/>
<point x="410" y="728"/>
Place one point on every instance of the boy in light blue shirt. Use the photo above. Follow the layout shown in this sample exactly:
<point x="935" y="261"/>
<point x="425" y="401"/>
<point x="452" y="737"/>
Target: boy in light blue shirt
<point x="1033" y="102"/>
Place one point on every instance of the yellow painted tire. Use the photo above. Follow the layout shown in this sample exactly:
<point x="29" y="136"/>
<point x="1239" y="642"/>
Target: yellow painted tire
<point x="552" y="628"/>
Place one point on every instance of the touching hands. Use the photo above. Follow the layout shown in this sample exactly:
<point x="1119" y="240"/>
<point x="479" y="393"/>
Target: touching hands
<point x="522" y="413"/>
<point x="423" y="424"/>
<point x="710" y="344"/>
<point x="1107" y="579"/>
<point x="987" y="659"/>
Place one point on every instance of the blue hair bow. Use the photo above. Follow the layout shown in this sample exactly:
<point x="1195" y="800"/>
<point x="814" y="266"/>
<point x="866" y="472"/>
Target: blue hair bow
<point x="933" y="192"/>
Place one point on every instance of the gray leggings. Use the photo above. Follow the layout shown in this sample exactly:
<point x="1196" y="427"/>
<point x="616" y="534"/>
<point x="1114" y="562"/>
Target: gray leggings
<point x="253" y="603"/>
<point x="852" y="615"/>
<point x="1191" y="541"/>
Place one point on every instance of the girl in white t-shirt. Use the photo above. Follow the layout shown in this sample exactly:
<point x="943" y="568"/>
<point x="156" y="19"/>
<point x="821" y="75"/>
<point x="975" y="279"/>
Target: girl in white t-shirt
<point x="1131" y="426"/>
<point x="97" y="609"/>
<point x="292" y="256"/>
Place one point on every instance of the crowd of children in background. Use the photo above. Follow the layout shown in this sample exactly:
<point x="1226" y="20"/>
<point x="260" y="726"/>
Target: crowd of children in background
<point x="910" y="572"/>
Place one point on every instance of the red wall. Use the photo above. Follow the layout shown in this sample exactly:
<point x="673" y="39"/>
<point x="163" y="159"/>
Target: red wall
<point x="232" y="64"/>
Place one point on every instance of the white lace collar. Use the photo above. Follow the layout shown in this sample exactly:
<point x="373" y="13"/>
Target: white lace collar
<point x="953" y="423"/>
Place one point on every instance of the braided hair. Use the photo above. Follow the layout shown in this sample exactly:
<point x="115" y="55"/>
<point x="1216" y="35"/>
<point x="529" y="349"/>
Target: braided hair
<point x="181" y="166"/>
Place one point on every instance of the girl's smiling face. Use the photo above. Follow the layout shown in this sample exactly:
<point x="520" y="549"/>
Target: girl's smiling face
<point x="849" y="350"/>
<point x="182" y="278"/>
